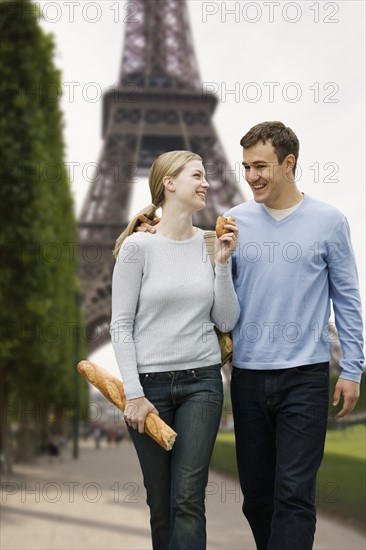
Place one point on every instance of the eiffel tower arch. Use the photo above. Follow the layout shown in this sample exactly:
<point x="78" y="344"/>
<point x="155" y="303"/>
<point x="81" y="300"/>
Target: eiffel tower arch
<point x="157" y="106"/>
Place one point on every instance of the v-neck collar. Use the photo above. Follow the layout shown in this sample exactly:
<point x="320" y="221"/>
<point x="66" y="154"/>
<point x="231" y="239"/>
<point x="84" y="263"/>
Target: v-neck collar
<point x="278" y="223"/>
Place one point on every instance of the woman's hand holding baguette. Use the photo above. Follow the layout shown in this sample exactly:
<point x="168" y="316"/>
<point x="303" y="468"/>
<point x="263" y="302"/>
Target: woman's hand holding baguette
<point x="136" y="411"/>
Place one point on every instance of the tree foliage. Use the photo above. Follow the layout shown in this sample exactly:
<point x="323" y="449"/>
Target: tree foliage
<point x="39" y="309"/>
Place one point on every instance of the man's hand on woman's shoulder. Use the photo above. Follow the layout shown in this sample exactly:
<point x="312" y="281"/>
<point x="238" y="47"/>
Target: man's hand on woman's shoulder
<point x="147" y="225"/>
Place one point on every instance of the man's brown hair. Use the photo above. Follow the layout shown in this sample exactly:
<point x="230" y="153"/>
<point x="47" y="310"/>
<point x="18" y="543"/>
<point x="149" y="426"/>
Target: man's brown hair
<point x="282" y="138"/>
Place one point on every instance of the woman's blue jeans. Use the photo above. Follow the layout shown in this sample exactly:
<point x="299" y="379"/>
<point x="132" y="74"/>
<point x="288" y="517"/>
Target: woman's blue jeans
<point x="190" y="402"/>
<point x="280" y="420"/>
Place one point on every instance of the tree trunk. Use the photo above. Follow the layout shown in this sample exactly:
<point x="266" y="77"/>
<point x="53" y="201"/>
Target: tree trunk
<point x="25" y="437"/>
<point x="6" y="447"/>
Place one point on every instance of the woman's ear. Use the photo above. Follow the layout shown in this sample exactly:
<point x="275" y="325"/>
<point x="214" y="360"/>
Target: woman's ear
<point x="168" y="183"/>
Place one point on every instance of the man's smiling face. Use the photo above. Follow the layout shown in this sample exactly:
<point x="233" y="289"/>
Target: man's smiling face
<point x="267" y="178"/>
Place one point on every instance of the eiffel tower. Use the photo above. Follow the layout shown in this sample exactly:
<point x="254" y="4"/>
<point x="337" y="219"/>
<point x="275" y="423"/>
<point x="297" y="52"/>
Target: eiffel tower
<point x="157" y="106"/>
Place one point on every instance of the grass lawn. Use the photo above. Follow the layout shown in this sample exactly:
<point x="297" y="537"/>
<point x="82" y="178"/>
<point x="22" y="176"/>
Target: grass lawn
<point x="341" y="486"/>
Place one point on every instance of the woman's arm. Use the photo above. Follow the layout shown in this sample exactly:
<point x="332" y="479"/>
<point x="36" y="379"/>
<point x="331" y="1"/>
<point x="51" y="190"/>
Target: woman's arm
<point x="126" y="285"/>
<point x="225" y="310"/>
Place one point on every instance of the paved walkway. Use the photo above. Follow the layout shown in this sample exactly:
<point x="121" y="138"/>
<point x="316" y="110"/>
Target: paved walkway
<point x="98" y="502"/>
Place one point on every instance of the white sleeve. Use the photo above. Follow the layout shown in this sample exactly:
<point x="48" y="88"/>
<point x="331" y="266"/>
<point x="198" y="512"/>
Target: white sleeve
<point x="126" y="285"/>
<point x="225" y="311"/>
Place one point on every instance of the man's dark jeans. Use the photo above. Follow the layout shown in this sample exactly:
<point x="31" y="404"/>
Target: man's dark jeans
<point x="190" y="402"/>
<point x="280" y="421"/>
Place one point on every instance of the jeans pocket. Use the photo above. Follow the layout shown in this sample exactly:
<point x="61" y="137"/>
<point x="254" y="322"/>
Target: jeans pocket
<point x="208" y="373"/>
<point x="146" y="378"/>
<point x="236" y="372"/>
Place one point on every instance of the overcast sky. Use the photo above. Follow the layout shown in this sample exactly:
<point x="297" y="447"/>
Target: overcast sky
<point x="299" y="62"/>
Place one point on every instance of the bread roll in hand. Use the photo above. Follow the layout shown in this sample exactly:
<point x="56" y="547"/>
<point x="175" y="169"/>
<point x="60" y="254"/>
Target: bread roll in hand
<point x="112" y="388"/>
<point x="220" y="222"/>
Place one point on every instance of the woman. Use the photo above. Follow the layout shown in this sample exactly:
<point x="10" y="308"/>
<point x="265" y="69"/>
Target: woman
<point x="165" y="302"/>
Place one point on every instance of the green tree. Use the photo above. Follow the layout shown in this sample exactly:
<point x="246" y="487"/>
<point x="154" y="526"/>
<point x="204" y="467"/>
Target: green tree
<point x="38" y="276"/>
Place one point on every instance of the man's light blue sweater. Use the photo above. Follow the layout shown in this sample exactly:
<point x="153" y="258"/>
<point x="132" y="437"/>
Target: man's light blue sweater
<point x="285" y="274"/>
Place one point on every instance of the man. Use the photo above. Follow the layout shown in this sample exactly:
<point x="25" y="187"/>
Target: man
<point x="293" y="256"/>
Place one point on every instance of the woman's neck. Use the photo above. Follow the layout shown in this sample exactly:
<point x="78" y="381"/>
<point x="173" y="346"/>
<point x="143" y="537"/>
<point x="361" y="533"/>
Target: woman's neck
<point x="175" y="225"/>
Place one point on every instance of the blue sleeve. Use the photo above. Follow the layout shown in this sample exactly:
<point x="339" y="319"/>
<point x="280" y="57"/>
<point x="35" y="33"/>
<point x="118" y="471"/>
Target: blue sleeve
<point x="344" y="292"/>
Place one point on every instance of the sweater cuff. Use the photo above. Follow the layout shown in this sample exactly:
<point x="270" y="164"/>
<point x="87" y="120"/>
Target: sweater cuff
<point x="351" y="369"/>
<point x="223" y="270"/>
<point x="134" y="393"/>
<point x="352" y="377"/>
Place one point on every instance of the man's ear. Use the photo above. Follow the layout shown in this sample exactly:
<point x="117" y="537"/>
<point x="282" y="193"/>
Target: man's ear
<point x="168" y="183"/>
<point x="289" y="163"/>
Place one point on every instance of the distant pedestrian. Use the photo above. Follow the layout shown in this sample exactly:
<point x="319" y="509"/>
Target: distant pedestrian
<point x="111" y="437"/>
<point x="53" y="448"/>
<point x="119" y="436"/>
<point x="97" y="434"/>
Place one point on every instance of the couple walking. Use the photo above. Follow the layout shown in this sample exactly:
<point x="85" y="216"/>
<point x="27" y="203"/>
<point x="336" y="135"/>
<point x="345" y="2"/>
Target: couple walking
<point x="283" y="260"/>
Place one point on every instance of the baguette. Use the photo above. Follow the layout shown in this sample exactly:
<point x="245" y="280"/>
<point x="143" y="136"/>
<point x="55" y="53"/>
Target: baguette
<point x="112" y="389"/>
<point x="220" y="222"/>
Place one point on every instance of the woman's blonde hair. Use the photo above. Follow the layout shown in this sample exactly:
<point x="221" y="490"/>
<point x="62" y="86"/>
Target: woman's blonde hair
<point x="167" y="164"/>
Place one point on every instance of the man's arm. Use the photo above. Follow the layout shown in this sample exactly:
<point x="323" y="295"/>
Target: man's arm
<point x="346" y="300"/>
